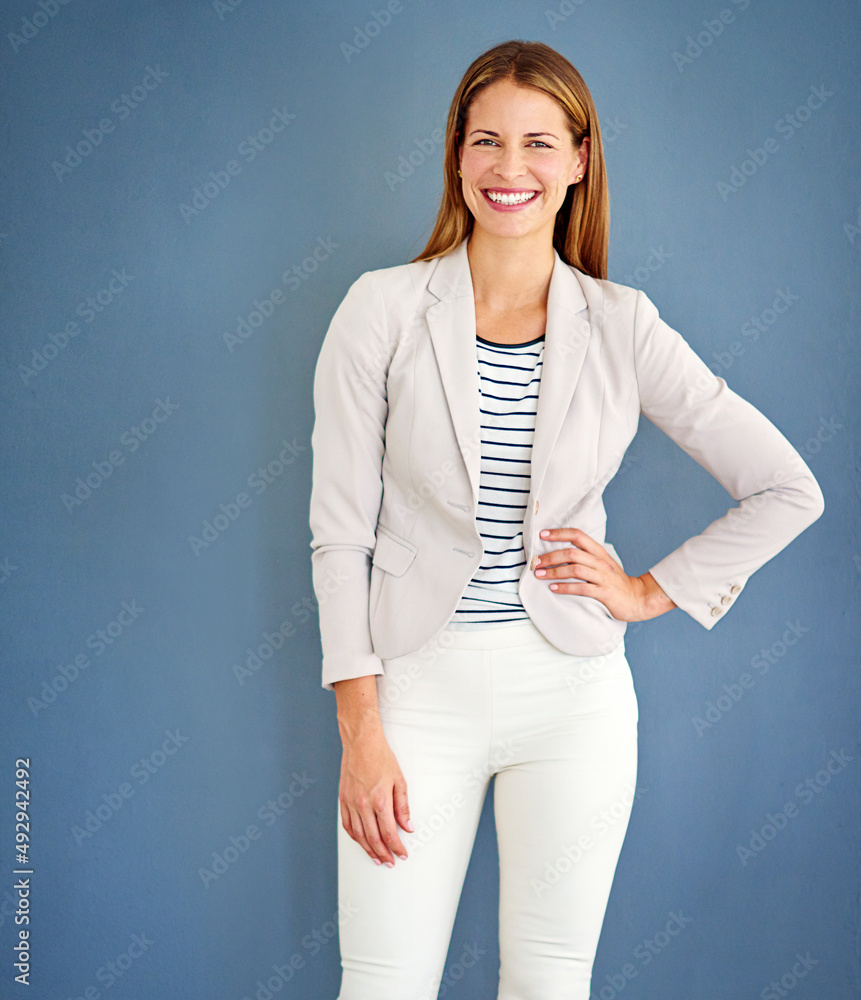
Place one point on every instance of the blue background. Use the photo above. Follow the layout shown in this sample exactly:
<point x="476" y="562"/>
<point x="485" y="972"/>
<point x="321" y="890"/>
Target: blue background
<point x="127" y="818"/>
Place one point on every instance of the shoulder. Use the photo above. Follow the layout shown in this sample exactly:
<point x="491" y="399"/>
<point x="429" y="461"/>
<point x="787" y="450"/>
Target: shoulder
<point x="617" y="304"/>
<point x="610" y="291"/>
<point x="400" y="276"/>
<point x="394" y="289"/>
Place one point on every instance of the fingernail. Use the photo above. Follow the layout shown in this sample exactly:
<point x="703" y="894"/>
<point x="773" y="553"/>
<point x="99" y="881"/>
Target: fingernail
<point x="377" y="861"/>
<point x="403" y="857"/>
<point x="541" y="572"/>
<point x="389" y="864"/>
<point x="409" y="826"/>
<point x="544" y="534"/>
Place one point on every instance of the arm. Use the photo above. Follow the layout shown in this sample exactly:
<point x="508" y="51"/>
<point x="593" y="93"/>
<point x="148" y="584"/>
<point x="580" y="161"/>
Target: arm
<point x="358" y="709"/>
<point x="347" y="444"/>
<point x="742" y="449"/>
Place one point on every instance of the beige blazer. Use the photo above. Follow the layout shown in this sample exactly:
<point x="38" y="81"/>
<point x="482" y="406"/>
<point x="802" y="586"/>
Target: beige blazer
<point x="396" y="449"/>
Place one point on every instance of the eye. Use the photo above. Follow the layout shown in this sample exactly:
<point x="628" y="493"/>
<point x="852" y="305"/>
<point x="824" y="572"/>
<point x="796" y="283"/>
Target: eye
<point x="540" y="143"/>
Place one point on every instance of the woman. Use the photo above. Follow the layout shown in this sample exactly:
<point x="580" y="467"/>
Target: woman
<point x="470" y="408"/>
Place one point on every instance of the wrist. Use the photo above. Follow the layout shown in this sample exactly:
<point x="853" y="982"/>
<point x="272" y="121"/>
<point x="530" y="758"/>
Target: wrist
<point x="653" y="600"/>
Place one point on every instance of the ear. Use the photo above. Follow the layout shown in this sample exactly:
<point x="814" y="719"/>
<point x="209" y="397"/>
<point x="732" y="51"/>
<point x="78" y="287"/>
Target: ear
<point x="581" y="161"/>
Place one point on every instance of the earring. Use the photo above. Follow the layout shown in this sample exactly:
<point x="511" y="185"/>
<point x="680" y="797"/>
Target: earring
<point x="579" y="177"/>
<point x="459" y="174"/>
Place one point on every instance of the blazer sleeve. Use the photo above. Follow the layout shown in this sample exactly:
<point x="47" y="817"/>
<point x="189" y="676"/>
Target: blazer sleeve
<point x="347" y="445"/>
<point x="745" y="453"/>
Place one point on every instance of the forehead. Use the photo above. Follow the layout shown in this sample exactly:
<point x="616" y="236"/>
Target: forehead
<point x="506" y="101"/>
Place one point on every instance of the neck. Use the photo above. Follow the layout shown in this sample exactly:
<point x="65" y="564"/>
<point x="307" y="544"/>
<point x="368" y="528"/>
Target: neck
<point x="510" y="273"/>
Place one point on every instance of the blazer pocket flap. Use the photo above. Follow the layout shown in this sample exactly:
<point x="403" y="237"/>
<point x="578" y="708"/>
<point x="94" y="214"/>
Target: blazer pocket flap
<point x="391" y="553"/>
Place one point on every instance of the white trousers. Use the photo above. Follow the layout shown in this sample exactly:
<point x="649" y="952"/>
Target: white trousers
<point x="559" y="732"/>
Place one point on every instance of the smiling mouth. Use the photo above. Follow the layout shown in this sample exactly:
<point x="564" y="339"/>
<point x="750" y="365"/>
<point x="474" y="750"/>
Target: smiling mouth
<point x="510" y="198"/>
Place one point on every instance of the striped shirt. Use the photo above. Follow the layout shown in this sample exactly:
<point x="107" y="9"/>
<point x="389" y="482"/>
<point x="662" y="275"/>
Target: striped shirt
<point x="509" y="377"/>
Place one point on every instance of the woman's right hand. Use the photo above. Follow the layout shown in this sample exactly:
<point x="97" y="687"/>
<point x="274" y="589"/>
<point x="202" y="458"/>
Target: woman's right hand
<point x="373" y="796"/>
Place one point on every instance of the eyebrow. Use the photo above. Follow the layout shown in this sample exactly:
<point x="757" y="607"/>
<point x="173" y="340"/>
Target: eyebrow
<point x="526" y="135"/>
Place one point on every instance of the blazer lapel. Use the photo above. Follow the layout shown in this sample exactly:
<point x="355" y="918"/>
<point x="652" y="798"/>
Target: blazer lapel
<point x="451" y="321"/>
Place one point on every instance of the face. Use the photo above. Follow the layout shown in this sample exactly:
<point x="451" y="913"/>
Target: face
<point x="517" y="157"/>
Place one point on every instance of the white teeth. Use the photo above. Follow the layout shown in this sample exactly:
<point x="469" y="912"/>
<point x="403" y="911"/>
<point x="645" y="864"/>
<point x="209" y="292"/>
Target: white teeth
<point x="511" y="199"/>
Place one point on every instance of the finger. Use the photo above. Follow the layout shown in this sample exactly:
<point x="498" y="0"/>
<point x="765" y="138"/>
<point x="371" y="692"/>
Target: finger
<point x="396" y="811"/>
<point x="371" y="825"/>
<point x="402" y="806"/>
<point x="581" y="540"/>
<point x="582" y="589"/>
<point x="390" y="836"/>
<point x="567" y="558"/>
<point x="356" y="831"/>
<point x="576" y="535"/>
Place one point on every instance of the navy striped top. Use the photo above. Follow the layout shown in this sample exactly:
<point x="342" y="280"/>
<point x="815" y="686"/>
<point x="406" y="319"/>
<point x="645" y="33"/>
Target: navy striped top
<point x="509" y="378"/>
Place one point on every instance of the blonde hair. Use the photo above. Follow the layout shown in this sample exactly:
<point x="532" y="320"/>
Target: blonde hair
<point x="582" y="229"/>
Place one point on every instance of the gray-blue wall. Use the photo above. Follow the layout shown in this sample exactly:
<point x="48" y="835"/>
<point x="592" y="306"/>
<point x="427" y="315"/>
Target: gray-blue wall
<point x="173" y="171"/>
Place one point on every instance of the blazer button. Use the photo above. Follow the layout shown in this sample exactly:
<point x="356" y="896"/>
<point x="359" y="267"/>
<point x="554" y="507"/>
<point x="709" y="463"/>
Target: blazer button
<point x="725" y="599"/>
<point x="536" y="506"/>
<point x="716" y="612"/>
<point x="534" y="562"/>
<point x="734" y="589"/>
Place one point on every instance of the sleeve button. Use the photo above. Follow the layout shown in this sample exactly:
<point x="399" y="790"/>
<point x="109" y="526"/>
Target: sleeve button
<point x="716" y="612"/>
<point x="725" y="599"/>
<point x="734" y="589"/>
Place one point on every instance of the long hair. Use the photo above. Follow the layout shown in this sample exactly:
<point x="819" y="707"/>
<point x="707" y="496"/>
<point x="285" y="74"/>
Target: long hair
<point x="582" y="229"/>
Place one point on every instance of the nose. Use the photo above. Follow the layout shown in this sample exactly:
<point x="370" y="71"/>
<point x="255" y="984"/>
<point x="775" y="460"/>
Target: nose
<point x="510" y="163"/>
